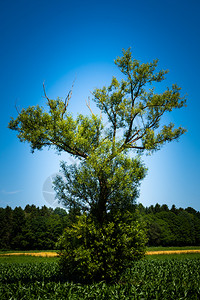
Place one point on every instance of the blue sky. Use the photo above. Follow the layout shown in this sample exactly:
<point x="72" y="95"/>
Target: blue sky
<point x="58" y="41"/>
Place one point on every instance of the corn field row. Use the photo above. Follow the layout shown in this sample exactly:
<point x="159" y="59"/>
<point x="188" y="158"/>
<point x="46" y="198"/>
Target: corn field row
<point x="148" y="279"/>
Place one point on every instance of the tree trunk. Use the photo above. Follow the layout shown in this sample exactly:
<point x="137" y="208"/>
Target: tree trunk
<point x="102" y="201"/>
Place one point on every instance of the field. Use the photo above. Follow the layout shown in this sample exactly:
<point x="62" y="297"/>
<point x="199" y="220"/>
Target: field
<point x="174" y="276"/>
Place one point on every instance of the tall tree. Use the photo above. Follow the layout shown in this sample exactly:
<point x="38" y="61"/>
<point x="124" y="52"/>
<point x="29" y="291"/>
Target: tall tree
<point x="106" y="178"/>
<point x="104" y="184"/>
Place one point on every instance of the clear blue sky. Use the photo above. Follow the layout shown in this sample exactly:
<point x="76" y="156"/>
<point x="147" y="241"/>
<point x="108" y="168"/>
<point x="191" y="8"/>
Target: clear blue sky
<point x="56" y="41"/>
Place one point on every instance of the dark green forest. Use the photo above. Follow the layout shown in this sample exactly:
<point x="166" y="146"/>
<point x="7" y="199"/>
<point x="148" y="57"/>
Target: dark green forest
<point x="39" y="228"/>
<point x="31" y="227"/>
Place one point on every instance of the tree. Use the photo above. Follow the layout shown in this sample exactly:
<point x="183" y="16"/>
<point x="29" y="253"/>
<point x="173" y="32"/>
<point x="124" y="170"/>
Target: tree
<point x="133" y="112"/>
<point x="107" y="178"/>
<point x="17" y="227"/>
<point x="6" y="224"/>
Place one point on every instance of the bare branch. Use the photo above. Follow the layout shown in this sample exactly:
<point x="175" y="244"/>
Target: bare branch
<point x="16" y="107"/>
<point x="69" y="95"/>
<point x="45" y="95"/>
<point x="45" y="92"/>
<point x="88" y="105"/>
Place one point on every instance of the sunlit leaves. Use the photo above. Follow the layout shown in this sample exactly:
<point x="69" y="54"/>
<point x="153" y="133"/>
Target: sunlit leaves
<point x="134" y="106"/>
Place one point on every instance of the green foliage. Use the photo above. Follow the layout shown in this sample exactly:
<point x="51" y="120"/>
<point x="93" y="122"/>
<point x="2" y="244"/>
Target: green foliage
<point x="94" y="253"/>
<point x="106" y="180"/>
<point x="31" y="228"/>
<point x="149" y="279"/>
<point x="25" y="259"/>
<point x="39" y="228"/>
<point x="133" y="111"/>
<point x="174" y="227"/>
<point x="82" y="190"/>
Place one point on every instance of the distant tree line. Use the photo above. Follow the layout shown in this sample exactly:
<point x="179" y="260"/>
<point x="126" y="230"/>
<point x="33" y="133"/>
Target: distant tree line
<point x="39" y="228"/>
<point x="32" y="227"/>
<point x="171" y="227"/>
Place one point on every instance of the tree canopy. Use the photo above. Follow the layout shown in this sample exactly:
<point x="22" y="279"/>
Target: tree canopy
<point x="108" y="175"/>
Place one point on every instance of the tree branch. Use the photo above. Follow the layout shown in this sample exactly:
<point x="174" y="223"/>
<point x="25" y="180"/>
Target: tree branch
<point x="88" y="105"/>
<point x="132" y="106"/>
<point x="66" y="148"/>
<point x="45" y="95"/>
<point x="67" y="99"/>
<point x="16" y="107"/>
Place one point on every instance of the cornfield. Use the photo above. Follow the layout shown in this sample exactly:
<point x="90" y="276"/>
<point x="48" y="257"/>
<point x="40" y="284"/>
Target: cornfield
<point x="148" y="279"/>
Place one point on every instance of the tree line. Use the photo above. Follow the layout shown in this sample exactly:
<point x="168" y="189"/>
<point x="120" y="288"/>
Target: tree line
<point x="171" y="227"/>
<point x="39" y="228"/>
<point x="31" y="227"/>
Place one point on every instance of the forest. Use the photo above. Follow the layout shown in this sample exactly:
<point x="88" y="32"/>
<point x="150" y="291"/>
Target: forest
<point x="39" y="228"/>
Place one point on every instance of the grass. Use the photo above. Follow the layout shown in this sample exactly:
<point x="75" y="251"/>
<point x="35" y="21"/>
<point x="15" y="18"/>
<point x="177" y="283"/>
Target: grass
<point x="160" y="248"/>
<point x="25" y="251"/>
<point x="173" y="248"/>
<point x="18" y="259"/>
<point x="24" y="259"/>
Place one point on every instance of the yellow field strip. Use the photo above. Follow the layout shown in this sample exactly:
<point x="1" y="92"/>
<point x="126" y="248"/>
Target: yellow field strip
<point x="172" y="252"/>
<point x="43" y="254"/>
<point x="53" y="254"/>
